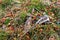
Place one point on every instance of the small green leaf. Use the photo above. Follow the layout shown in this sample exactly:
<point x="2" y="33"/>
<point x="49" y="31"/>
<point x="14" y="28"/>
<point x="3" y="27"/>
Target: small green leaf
<point x="7" y="21"/>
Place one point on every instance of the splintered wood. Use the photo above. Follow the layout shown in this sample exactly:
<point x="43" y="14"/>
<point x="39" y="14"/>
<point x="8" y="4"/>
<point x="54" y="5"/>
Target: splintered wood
<point x="28" y="26"/>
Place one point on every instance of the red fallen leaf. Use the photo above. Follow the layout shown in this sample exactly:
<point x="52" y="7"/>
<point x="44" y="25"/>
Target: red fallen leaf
<point x="11" y="28"/>
<point x="34" y="17"/>
<point x="0" y="1"/>
<point x="50" y="13"/>
<point x="3" y="20"/>
<point x="9" y="14"/>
